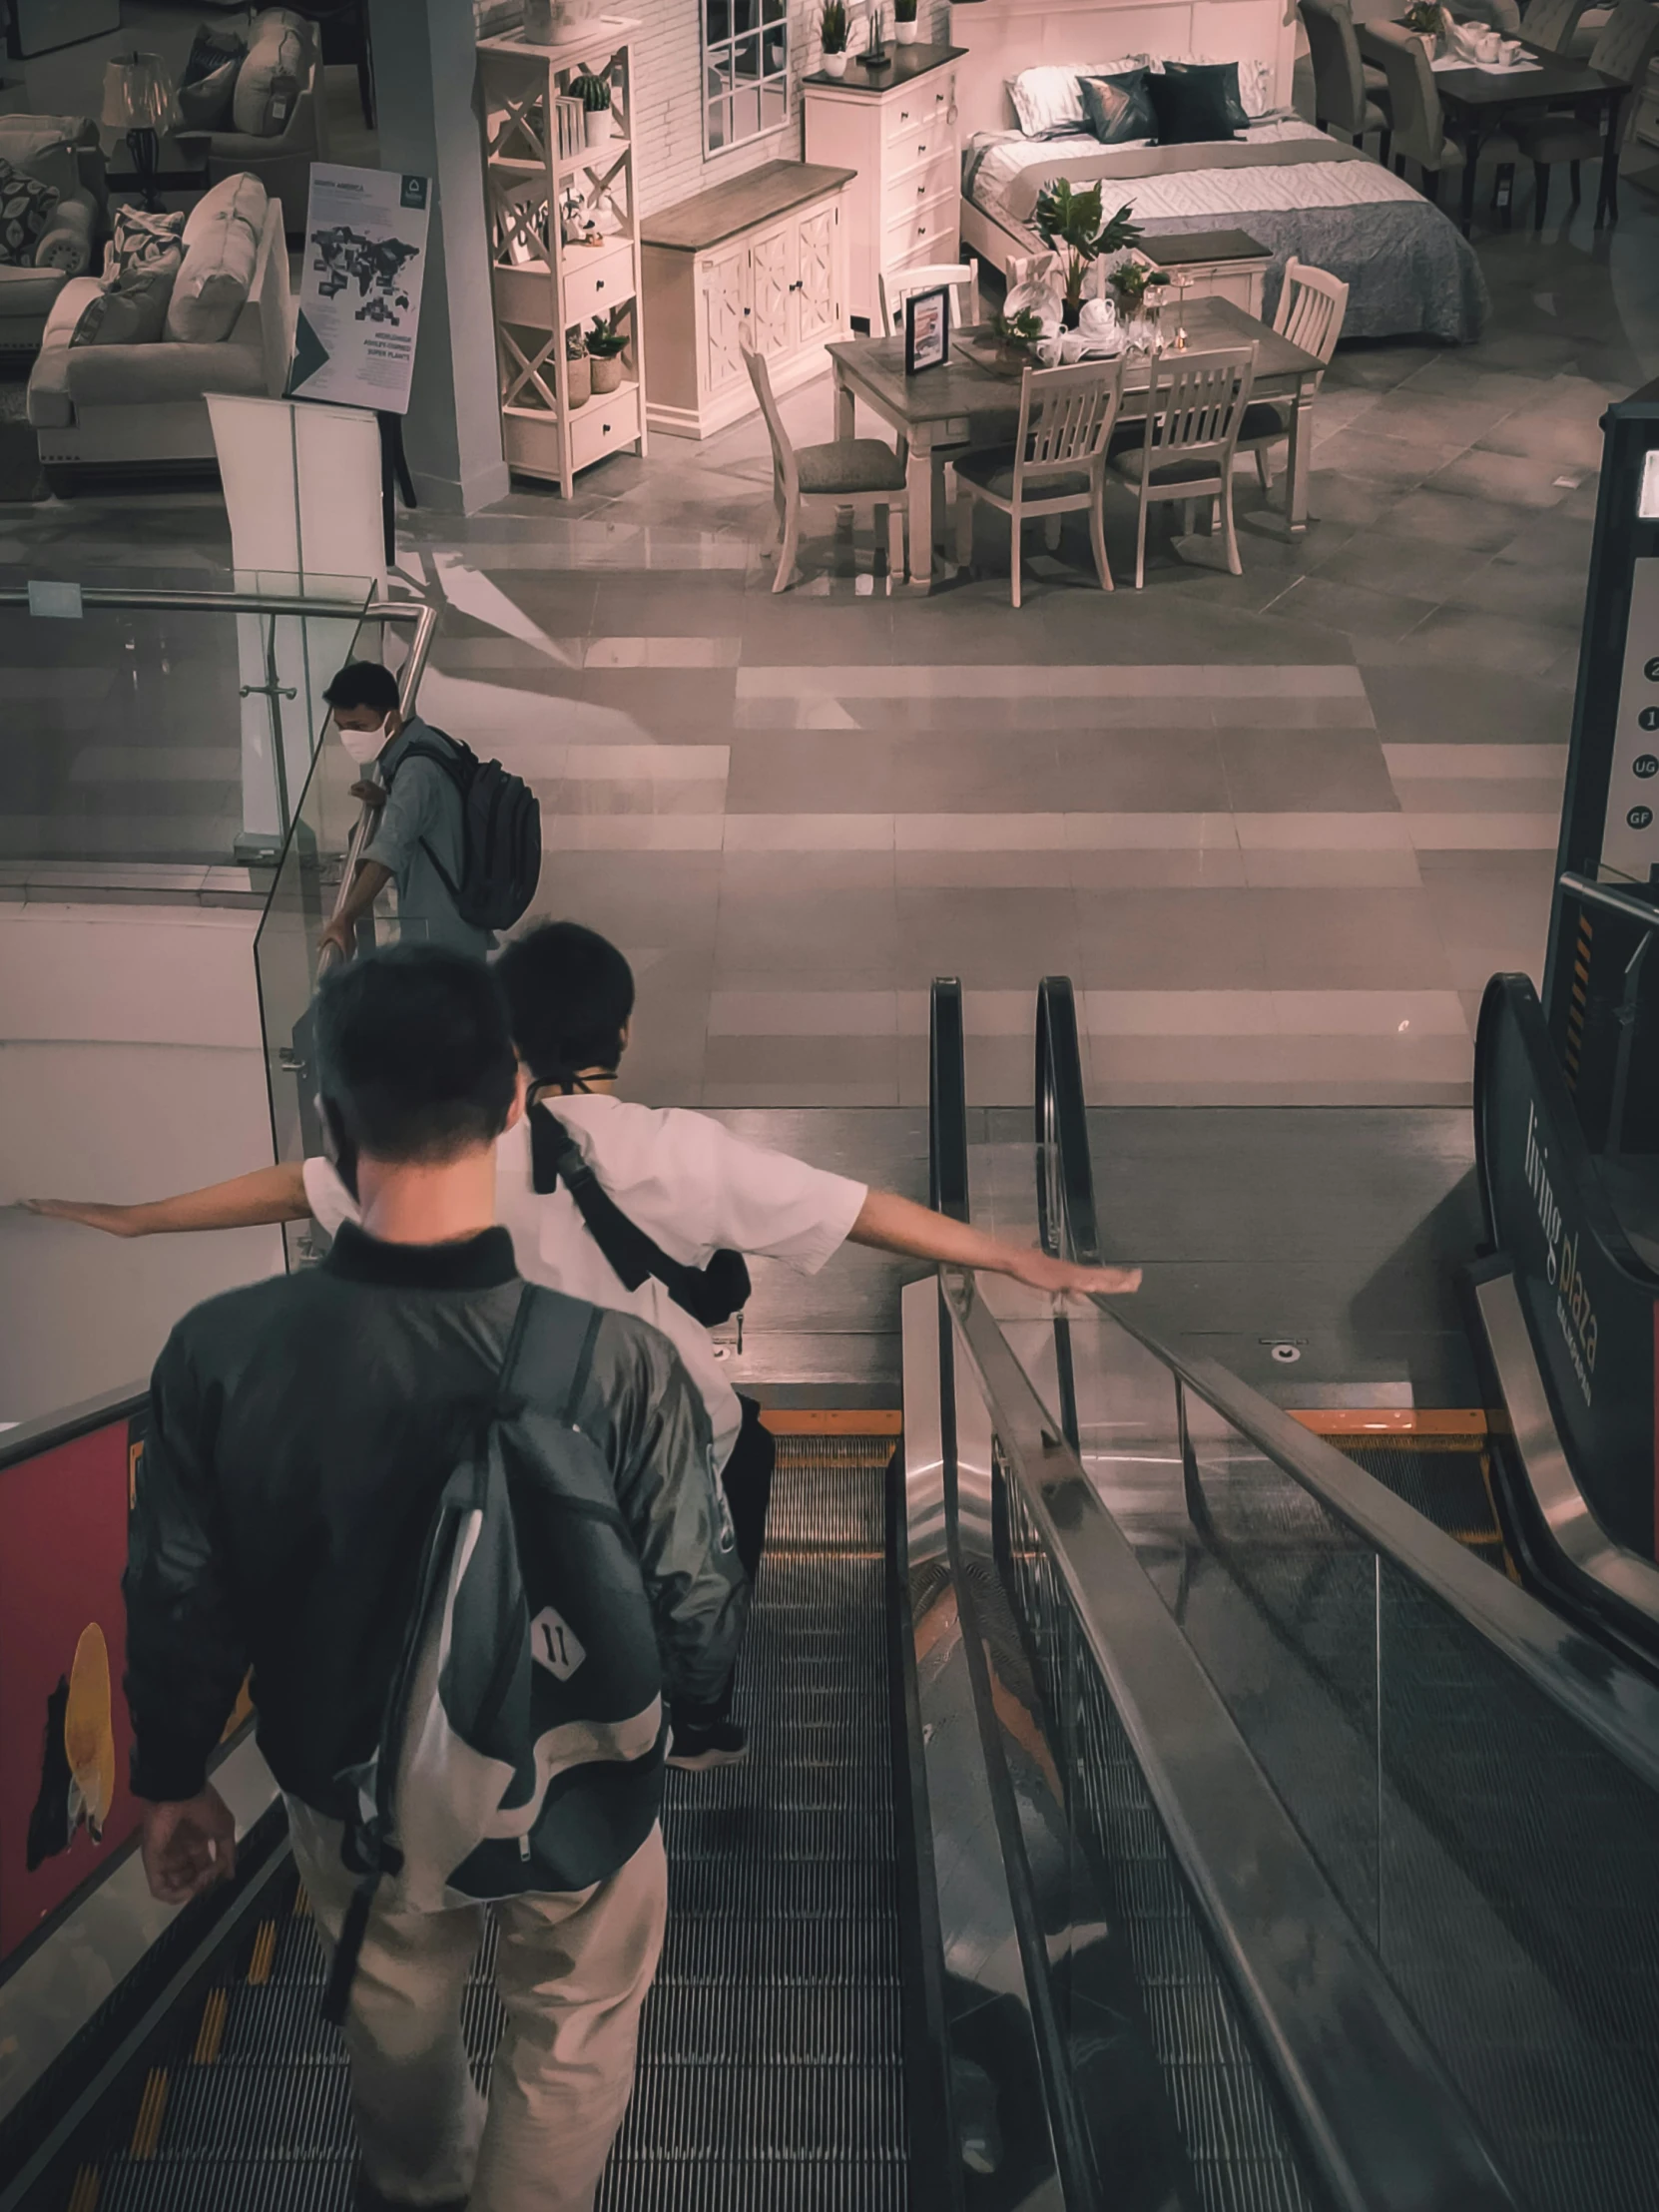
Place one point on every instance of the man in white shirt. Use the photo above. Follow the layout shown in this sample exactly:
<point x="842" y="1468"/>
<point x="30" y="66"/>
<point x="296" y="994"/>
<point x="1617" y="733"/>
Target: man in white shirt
<point x="684" y="1180"/>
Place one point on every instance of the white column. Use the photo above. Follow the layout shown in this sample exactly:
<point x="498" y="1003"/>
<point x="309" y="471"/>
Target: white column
<point x="425" y="90"/>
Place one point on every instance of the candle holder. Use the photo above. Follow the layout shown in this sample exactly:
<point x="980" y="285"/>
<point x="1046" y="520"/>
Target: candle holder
<point x="1182" y="279"/>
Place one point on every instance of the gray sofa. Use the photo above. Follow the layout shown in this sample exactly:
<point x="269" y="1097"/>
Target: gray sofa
<point x="143" y="406"/>
<point x="283" y="161"/>
<point x="61" y="149"/>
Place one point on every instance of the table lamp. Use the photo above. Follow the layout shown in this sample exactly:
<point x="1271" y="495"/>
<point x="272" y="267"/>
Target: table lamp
<point x="138" y="98"/>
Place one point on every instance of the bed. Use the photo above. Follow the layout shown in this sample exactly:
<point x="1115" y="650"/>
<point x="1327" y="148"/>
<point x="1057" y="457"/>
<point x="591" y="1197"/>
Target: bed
<point x="1409" y="270"/>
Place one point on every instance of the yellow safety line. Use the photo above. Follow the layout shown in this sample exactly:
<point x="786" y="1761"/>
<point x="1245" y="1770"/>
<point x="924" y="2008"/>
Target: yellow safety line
<point x="301" y="1903"/>
<point x="1444" y="1424"/>
<point x="147" y="2128"/>
<point x="211" y="2034"/>
<point x="85" y="2194"/>
<point x="265" y="1956"/>
<point x="830" y="1420"/>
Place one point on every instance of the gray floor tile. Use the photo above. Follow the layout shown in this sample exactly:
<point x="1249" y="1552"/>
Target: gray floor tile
<point x="1271" y="771"/>
<point x="1384" y="459"/>
<point x="1412" y="567"/>
<point x="1122" y="771"/>
<point x="1444" y="519"/>
<point x="1506" y="478"/>
<point x="1358" y="613"/>
<point x="994" y="939"/>
<point x="1153" y="939"/>
<point x="1463" y="635"/>
<point x="1442" y="704"/>
<point x="1368" y="941"/>
<point x="1534" y="592"/>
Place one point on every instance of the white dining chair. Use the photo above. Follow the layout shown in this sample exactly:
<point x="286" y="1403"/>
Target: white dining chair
<point x="960" y="278"/>
<point x="1310" y="310"/>
<point x="1194" y="409"/>
<point x="850" y="471"/>
<point x="1056" y="465"/>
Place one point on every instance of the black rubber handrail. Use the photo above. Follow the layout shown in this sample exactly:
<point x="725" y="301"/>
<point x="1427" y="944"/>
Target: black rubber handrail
<point x="1617" y="1705"/>
<point x="948" y="1163"/>
<point x="31" y="1438"/>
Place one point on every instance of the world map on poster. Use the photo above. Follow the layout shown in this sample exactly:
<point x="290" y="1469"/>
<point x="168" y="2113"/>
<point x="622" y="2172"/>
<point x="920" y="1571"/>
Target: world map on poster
<point x="359" y="287"/>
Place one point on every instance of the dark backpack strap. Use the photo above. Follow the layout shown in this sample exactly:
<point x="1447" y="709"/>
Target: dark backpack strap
<point x="710" y="1295"/>
<point x="550" y="1357"/>
<point x="452" y="759"/>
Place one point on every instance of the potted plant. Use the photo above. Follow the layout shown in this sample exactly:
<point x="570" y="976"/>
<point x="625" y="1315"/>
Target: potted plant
<point x="1018" y="336"/>
<point x="906" y="29"/>
<point x="595" y="96"/>
<point x="874" y="56"/>
<point x="1070" y="224"/>
<point x="578" y="370"/>
<point x="1130" y="282"/>
<point x="832" y="36"/>
<point x="1425" y="17"/>
<point x="606" y="346"/>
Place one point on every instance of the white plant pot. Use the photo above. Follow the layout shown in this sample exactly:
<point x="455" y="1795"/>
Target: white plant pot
<point x="834" y="64"/>
<point x="907" y="34"/>
<point x="579" y="381"/>
<point x="596" y="126"/>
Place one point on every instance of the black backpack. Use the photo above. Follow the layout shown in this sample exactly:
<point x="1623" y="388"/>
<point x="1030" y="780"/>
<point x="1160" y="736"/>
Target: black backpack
<point x="711" y="1295"/>
<point x="500" y="834"/>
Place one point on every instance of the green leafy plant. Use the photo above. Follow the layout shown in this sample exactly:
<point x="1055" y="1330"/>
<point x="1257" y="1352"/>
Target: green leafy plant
<point x="903" y="11"/>
<point x="1072" y="223"/>
<point x="593" y="92"/>
<point x="1022" y="331"/>
<point x="605" y="341"/>
<point x="1425" y="17"/>
<point x="575" y="345"/>
<point x="1132" y="281"/>
<point x="831" y="26"/>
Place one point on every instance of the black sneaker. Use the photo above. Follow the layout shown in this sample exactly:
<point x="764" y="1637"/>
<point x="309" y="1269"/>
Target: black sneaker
<point x="722" y="1744"/>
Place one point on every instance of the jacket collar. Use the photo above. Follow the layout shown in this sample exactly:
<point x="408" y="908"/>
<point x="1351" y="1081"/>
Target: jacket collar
<point x="481" y="1262"/>
<point x="390" y="754"/>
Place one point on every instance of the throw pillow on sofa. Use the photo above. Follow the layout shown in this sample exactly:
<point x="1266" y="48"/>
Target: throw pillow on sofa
<point x="270" y="79"/>
<point x="133" y="310"/>
<point x="221" y="247"/>
<point x="140" y="238"/>
<point x="26" y="208"/>
<point x="208" y="85"/>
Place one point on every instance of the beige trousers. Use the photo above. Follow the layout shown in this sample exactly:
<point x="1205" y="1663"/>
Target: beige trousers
<point x="572" y="1970"/>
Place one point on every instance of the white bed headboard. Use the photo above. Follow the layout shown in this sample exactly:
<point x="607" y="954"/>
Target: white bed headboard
<point x="1003" y="36"/>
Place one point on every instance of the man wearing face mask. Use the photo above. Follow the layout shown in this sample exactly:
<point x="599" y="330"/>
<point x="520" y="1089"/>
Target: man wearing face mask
<point x="418" y="841"/>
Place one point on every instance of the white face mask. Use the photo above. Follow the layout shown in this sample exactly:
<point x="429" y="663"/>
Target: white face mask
<point x="363" y="744"/>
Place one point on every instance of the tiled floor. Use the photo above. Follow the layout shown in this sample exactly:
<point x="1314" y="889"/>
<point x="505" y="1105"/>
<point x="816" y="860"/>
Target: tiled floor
<point x="1279" y="828"/>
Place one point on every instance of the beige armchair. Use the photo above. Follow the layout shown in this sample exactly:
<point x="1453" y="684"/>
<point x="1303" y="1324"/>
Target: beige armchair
<point x="61" y="149"/>
<point x="282" y="163"/>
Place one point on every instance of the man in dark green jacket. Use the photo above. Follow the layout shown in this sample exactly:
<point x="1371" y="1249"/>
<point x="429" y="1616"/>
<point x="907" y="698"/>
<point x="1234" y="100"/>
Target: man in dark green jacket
<point x="302" y="1429"/>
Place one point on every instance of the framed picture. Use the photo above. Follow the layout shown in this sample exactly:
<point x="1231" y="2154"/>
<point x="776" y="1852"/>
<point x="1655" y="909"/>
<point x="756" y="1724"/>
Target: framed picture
<point x="926" y="329"/>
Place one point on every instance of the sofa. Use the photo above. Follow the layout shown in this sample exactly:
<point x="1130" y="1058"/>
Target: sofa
<point x="61" y="151"/>
<point x="138" y="406"/>
<point x="292" y="128"/>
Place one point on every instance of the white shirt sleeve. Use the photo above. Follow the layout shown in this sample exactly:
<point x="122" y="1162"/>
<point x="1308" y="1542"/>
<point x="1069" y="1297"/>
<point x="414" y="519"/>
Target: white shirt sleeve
<point x="769" y="1205"/>
<point x="328" y="1197"/>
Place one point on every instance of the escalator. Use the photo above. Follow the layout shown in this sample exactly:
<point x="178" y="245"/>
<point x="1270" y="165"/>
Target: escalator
<point x="1147" y="1809"/>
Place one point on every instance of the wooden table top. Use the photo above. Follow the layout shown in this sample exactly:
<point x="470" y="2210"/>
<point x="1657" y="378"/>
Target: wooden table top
<point x="1555" y="79"/>
<point x="960" y="387"/>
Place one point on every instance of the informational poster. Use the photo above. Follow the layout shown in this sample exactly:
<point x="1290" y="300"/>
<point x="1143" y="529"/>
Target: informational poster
<point x="359" y="287"/>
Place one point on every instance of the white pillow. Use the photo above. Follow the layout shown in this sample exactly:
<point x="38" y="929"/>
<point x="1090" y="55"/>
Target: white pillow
<point x="222" y="246"/>
<point x="271" y="77"/>
<point x="1255" y="80"/>
<point x="1047" y="100"/>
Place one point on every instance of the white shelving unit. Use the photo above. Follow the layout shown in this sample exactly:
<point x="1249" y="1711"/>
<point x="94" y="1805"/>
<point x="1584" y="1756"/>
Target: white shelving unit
<point x="543" y="285"/>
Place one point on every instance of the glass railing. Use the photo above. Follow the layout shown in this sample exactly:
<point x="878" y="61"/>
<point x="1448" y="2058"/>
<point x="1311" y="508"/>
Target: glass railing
<point x="315" y="864"/>
<point x="165" y="718"/>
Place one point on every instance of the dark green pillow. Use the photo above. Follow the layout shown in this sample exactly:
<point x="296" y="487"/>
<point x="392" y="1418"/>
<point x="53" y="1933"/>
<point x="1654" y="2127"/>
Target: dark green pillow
<point x="1118" y="109"/>
<point x="1226" y="74"/>
<point x="1191" y="106"/>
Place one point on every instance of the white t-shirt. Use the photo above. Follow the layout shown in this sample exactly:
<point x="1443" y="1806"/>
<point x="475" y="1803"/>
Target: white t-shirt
<point x="688" y="1183"/>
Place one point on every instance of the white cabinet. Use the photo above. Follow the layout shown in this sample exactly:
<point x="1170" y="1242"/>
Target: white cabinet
<point x="547" y="288"/>
<point x="759" y="264"/>
<point x="899" y="131"/>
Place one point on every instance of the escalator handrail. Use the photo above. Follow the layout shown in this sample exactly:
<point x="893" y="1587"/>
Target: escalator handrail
<point x="1618" y="1706"/>
<point x="48" y="1431"/>
<point x="1375" y="2110"/>
<point x="948" y="1161"/>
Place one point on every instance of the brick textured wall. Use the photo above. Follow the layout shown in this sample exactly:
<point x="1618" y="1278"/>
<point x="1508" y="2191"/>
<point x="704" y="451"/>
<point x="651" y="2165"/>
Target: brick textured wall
<point x="669" y="162"/>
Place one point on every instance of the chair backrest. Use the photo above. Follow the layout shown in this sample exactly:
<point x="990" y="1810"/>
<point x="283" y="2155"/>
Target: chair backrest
<point x="1197" y="401"/>
<point x="1627" y="41"/>
<point x="1418" y="125"/>
<point x="783" y="452"/>
<point x="1311" y="304"/>
<point x="1551" y="23"/>
<point x="1338" y="79"/>
<point x="961" y="277"/>
<point x="1066" y="416"/>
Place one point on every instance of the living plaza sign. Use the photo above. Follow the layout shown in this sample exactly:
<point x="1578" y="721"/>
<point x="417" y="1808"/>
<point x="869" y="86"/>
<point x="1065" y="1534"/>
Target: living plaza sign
<point x="1591" y="1305"/>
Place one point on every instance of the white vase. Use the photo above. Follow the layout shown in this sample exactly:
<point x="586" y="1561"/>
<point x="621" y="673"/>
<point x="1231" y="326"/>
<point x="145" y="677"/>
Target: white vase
<point x="907" y="34"/>
<point x="834" y="64"/>
<point x="596" y="126"/>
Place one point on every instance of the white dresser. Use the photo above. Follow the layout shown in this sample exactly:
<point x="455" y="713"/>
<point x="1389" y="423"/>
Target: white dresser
<point x="757" y="263"/>
<point x="898" y="130"/>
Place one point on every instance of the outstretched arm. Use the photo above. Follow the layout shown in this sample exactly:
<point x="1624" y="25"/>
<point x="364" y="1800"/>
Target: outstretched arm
<point x="269" y="1194"/>
<point x="893" y="1224"/>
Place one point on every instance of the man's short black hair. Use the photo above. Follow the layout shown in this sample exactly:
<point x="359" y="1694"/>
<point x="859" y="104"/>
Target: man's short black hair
<point x="414" y="1054"/>
<point x="569" y="995"/>
<point x="364" y="684"/>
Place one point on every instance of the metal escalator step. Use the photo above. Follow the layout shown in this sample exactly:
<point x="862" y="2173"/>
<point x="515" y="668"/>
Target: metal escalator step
<point x="711" y="1947"/>
<point x="789" y="1889"/>
<point x="778" y="2023"/>
<point x="735" y="2185"/>
<point x="801" y="2114"/>
<point x="779" y="1833"/>
<point x="321" y="2184"/>
<point x="297" y="2111"/>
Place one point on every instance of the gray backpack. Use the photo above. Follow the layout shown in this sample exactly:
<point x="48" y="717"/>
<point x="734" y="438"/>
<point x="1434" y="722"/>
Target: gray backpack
<point x="523" y="1743"/>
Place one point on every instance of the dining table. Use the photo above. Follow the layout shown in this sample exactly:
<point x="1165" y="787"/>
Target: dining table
<point x="1474" y="102"/>
<point x="960" y="400"/>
